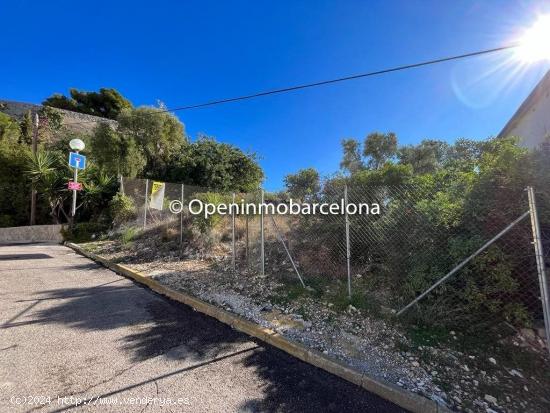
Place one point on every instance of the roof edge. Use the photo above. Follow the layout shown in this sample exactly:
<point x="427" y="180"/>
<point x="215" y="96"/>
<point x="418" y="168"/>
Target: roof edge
<point x="527" y="104"/>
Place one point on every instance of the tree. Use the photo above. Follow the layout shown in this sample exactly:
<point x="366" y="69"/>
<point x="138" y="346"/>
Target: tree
<point x="379" y="148"/>
<point x="158" y="135"/>
<point x="351" y="160"/>
<point x="49" y="172"/>
<point x="117" y="153"/>
<point x="14" y="185"/>
<point x="26" y="125"/>
<point x="426" y="157"/>
<point x="107" y="103"/>
<point x="9" y="129"/>
<point x="216" y="166"/>
<point x="303" y="184"/>
<point x="465" y="152"/>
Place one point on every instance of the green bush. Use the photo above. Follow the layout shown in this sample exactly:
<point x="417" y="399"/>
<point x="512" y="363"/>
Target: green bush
<point x="6" y="221"/>
<point x="84" y="231"/>
<point x="129" y="234"/>
<point x="207" y="224"/>
<point x="122" y="209"/>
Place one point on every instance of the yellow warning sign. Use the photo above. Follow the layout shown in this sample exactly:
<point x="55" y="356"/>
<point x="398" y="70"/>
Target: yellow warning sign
<point x="157" y="195"/>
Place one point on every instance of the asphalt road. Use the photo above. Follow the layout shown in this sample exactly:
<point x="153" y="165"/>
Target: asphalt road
<point x="74" y="335"/>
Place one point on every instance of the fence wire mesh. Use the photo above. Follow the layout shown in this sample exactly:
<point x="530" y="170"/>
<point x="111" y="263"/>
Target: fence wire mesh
<point x="384" y="260"/>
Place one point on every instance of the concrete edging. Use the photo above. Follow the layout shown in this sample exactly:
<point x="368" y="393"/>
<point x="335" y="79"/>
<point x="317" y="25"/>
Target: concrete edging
<point x="403" y="398"/>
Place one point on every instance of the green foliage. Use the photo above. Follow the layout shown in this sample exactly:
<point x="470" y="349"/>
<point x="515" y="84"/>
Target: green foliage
<point x="426" y="157"/>
<point x="122" y="209"/>
<point x="116" y="152"/>
<point x="303" y="184"/>
<point x="26" y="125"/>
<point x="49" y="172"/>
<point x="99" y="188"/>
<point x="448" y="200"/>
<point x="10" y="130"/>
<point x="217" y="166"/>
<point x="351" y="160"/>
<point x="146" y="142"/>
<point x="388" y="174"/>
<point x="84" y="231"/>
<point x="14" y="187"/>
<point x="205" y="225"/>
<point x="15" y="160"/>
<point x="129" y="234"/>
<point x="107" y="103"/>
<point x="156" y="136"/>
<point x="379" y="148"/>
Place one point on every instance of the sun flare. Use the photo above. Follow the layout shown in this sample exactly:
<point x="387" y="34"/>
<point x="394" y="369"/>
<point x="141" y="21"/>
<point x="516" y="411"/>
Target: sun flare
<point x="534" y="45"/>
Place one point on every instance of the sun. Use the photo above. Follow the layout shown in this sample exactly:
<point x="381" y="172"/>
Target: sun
<point x="534" y="45"/>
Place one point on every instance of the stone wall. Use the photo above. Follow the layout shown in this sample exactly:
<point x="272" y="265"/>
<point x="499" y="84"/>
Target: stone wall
<point x="34" y="233"/>
<point x="72" y="121"/>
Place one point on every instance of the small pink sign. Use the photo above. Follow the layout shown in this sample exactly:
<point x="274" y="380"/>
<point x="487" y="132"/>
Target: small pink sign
<point x="75" y="186"/>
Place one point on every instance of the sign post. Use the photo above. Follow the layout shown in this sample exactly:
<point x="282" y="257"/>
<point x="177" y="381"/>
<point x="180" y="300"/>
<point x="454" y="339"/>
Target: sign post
<point x="75" y="180"/>
<point x="76" y="161"/>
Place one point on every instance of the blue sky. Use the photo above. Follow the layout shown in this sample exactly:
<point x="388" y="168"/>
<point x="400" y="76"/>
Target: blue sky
<point x="185" y="52"/>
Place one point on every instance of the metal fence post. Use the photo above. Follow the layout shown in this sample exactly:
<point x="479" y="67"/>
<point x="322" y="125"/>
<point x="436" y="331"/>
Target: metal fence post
<point x="233" y="232"/>
<point x="348" y="255"/>
<point x="181" y="214"/>
<point x="262" y="246"/>
<point x="539" y="255"/>
<point x="246" y="246"/>
<point x="145" y="204"/>
<point x="121" y="185"/>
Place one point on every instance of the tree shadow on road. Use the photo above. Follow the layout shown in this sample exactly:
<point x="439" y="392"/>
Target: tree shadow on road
<point x="159" y="325"/>
<point x="294" y="386"/>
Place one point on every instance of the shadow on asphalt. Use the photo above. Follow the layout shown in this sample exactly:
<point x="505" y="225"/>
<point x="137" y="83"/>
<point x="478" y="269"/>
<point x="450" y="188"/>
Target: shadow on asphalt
<point x="289" y="385"/>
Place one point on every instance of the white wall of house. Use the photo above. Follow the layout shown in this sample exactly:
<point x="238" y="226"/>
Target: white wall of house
<point x="532" y="121"/>
<point x="534" y="126"/>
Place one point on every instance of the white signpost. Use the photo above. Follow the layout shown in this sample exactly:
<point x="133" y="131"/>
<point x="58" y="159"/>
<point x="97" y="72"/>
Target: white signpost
<point x="76" y="161"/>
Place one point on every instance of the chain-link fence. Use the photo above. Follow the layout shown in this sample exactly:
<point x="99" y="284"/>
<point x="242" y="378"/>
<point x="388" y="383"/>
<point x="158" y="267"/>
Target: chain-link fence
<point x="423" y="252"/>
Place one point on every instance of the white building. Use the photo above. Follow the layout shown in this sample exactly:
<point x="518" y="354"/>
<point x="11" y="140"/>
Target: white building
<point x="531" y="122"/>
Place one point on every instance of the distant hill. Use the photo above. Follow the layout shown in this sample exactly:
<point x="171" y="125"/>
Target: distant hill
<point x="72" y="121"/>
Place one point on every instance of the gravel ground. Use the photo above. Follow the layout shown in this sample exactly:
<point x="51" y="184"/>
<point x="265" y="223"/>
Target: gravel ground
<point x="471" y="381"/>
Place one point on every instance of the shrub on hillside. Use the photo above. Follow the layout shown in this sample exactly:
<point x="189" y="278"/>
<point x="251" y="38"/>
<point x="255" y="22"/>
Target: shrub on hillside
<point x="122" y="209"/>
<point x="213" y="221"/>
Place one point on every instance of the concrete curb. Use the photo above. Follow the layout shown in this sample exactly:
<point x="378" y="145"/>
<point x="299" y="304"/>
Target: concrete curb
<point x="403" y="398"/>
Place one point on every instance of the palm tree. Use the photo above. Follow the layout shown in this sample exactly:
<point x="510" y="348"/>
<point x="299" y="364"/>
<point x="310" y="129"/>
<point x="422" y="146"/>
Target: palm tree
<point x="49" y="175"/>
<point x="97" y="184"/>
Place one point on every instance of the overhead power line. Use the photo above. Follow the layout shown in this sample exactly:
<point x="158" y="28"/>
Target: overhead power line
<point x="331" y="81"/>
<point x="341" y="79"/>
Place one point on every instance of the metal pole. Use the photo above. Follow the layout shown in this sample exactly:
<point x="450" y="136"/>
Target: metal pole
<point x="287" y="251"/>
<point x="181" y="214"/>
<point x="75" y="179"/>
<point x="262" y="250"/>
<point x="34" y="149"/>
<point x="463" y="263"/>
<point x="348" y="255"/>
<point x="233" y="232"/>
<point x="145" y="204"/>
<point x="539" y="255"/>
<point x="246" y="247"/>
